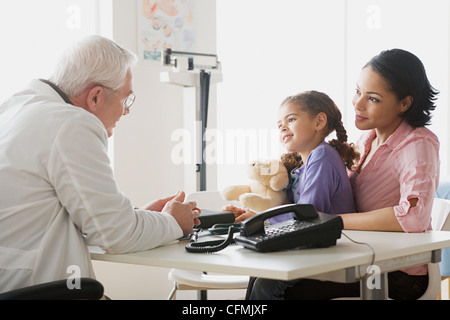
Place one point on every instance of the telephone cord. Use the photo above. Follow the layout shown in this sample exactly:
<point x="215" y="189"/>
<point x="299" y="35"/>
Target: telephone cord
<point x="373" y="255"/>
<point x="211" y="246"/>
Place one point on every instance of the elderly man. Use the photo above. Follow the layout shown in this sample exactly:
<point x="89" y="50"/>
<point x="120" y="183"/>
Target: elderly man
<point x="57" y="190"/>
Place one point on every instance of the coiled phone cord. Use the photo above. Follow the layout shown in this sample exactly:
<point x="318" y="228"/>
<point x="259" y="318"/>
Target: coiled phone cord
<point x="212" y="246"/>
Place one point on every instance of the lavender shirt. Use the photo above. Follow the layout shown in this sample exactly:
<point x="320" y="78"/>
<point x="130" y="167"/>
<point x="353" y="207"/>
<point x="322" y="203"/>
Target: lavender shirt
<point x="322" y="182"/>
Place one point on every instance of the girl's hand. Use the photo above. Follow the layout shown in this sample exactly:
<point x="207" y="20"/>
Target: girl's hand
<point x="244" y="216"/>
<point x="240" y="214"/>
<point x="236" y="211"/>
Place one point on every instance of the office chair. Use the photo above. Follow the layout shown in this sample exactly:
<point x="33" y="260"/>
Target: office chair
<point x="90" y="289"/>
<point x="441" y="221"/>
<point x="445" y="274"/>
<point x="197" y="280"/>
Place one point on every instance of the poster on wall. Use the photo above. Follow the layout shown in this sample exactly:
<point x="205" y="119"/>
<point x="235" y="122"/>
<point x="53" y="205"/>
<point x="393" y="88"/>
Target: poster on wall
<point x="165" y="24"/>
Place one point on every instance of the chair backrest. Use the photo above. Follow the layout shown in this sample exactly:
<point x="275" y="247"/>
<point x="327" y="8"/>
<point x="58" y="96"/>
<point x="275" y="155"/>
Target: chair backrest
<point x="90" y="289"/>
<point x="440" y="220"/>
<point x="434" y="282"/>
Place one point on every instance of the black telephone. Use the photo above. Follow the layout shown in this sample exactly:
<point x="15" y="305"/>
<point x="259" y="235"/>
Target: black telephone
<point x="307" y="229"/>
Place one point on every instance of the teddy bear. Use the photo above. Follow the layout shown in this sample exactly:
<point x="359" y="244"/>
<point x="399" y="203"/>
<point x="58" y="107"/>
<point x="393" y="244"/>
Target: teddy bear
<point x="265" y="191"/>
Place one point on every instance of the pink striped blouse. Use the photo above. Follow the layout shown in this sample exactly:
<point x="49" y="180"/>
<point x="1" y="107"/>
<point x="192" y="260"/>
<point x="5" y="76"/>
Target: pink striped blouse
<point x="405" y="166"/>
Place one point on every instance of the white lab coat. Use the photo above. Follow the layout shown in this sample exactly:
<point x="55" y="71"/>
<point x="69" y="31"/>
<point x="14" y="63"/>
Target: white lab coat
<point x="58" y="194"/>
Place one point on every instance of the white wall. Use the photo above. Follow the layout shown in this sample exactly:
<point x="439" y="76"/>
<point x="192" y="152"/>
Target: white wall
<point x="35" y="33"/>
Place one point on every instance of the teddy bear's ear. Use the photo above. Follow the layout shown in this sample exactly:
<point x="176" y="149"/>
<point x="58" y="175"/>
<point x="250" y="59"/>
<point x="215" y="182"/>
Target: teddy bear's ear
<point x="281" y="179"/>
<point x="269" y="168"/>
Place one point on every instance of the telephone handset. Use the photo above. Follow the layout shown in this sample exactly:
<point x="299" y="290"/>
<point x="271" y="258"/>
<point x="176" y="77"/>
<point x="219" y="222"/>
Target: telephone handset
<point x="308" y="228"/>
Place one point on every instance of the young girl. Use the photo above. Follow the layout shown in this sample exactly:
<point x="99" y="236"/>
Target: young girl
<point x="320" y="178"/>
<point x="317" y="169"/>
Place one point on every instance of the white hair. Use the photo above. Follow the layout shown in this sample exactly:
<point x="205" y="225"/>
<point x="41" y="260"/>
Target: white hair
<point x="95" y="60"/>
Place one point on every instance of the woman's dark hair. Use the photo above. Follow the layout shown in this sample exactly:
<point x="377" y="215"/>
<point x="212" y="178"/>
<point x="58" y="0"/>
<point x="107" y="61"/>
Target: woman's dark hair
<point x="314" y="102"/>
<point x="406" y="76"/>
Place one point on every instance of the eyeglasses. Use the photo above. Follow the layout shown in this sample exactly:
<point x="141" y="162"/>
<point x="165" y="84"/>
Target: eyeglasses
<point x="128" y="102"/>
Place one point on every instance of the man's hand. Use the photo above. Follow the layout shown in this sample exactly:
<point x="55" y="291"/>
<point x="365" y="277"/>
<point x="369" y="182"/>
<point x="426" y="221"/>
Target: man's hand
<point x="186" y="213"/>
<point x="158" y="205"/>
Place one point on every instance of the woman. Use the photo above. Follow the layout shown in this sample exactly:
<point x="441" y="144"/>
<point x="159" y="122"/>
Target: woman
<point x="397" y="175"/>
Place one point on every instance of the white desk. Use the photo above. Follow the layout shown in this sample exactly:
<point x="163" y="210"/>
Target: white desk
<point x="394" y="251"/>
